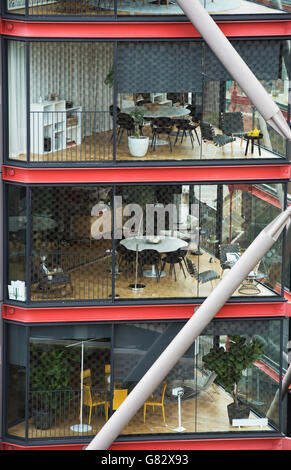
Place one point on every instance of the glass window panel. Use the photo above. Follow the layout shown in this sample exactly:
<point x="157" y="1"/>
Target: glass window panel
<point x="163" y="8"/>
<point x="67" y="362"/>
<point x="178" y="240"/>
<point x="188" y="106"/>
<point x="16" y="213"/>
<point x="205" y="393"/>
<point x="17" y="106"/>
<point x="171" y="241"/>
<point x="16" y="379"/>
<point x="227" y="7"/>
<point x="71" y="243"/>
<point x="67" y="368"/>
<point x="61" y="7"/>
<point x="70" y="101"/>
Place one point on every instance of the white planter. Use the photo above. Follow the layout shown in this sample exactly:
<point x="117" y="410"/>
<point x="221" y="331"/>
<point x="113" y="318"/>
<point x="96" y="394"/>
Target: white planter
<point x="138" y="147"/>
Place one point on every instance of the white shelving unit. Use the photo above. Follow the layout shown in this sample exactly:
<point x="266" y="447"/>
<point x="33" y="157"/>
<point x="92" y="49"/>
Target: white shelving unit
<point x="160" y="98"/>
<point x="54" y="127"/>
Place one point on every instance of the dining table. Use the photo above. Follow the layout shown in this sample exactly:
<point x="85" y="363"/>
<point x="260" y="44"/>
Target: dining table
<point x="160" y="111"/>
<point x="162" y="244"/>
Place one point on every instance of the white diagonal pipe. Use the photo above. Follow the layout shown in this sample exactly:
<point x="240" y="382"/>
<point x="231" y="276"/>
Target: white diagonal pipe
<point x="235" y="65"/>
<point x="187" y="335"/>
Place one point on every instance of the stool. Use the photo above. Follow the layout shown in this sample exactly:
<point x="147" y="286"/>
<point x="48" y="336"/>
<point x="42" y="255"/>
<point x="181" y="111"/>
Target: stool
<point x="253" y="138"/>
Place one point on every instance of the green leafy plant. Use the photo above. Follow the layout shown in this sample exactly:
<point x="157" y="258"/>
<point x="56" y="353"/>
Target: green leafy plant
<point x="229" y="365"/>
<point x="109" y="77"/>
<point x="50" y="373"/>
<point x="137" y="115"/>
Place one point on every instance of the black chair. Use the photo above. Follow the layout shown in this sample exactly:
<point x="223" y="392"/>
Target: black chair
<point x="184" y="126"/>
<point x="162" y="125"/>
<point x="208" y="135"/>
<point x="203" y="277"/>
<point x="172" y="258"/>
<point x="126" y="258"/>
<point x="124" y="123"/>
<point x="233" y="125"/>
<point x="195" y="116"/>
<point x="223" y="250"/>
<point x="149" y="257"/>
<point x="111" y="110"/>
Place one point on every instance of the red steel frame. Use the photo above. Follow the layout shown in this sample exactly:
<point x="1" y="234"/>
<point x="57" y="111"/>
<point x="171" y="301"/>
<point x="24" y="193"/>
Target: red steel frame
<point x="148" y="174"/>
<point x="138" y="312"/>
<point x="138" y="30"/>
<point x="268" y="443"/>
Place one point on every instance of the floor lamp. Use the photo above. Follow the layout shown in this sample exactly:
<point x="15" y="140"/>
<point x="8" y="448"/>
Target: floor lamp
<point x="179" y="392"/>
<point x="81" y="427"/>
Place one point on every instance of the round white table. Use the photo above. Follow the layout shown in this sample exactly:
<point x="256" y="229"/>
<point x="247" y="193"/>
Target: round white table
<point x="165" y="245"/>
<point x="161" y="111"/>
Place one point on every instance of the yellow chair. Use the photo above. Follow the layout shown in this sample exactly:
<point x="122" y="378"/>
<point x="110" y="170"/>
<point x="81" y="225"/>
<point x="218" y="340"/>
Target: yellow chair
<point x="155" y="402"/>
<point x="87" y="379"/>
<point x="93" y="401"/>
<point x="119" y="395"/>
<point x="107" y="374"/>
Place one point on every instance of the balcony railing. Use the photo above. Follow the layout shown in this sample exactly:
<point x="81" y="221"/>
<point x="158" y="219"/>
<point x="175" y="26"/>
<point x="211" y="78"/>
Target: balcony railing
<point x="56" y="414"/>
<point x="61" y="7"/>
<point x="70" y="136"/>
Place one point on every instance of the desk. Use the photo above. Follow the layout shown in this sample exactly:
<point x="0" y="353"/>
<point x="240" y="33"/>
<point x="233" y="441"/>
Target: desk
<point x="252" y="139"/>
<point x="166" y="245"/>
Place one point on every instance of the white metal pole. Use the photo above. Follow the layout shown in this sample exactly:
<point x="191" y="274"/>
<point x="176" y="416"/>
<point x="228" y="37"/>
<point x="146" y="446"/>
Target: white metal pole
<point x="187" y="335"/>
<point x="235" y="65"/>
<point x="82" y="370"/>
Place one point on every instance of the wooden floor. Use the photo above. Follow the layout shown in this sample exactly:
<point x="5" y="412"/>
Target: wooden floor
<point x="198" y="415"/>
<point x="91" y="284"/>
<point x="98" y="148"/>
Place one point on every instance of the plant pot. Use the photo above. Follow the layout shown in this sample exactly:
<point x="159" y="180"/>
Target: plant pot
<point x="43" y="419"/>
<point x="237" y="412"/>
<point x="138" y="146"/>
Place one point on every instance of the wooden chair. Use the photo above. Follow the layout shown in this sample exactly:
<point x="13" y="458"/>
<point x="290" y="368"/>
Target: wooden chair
<point x="155" y="402"/>
<point x="93" y="401"/>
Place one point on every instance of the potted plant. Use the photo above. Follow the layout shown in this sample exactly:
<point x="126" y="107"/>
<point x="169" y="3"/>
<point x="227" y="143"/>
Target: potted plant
<point x="137" y="143"/>
<point x="229" y="366"/>
<point x="50" y="371"/>
<point x="109" y="79"/>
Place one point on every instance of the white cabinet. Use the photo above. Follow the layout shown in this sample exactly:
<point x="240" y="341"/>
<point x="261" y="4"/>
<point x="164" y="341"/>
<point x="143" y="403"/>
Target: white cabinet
<point x="54" y="127"/>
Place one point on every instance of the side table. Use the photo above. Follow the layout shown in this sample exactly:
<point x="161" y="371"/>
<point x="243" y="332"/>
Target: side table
<point x="249" y="285"/>
<point x="253" y="139"/>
